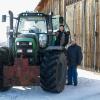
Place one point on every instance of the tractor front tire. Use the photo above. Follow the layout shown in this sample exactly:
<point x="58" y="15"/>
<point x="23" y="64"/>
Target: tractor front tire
<point x="53" y="71"/>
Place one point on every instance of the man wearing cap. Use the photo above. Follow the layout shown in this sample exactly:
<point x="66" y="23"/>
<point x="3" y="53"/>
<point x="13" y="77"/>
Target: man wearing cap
<point x="74" y="57"/>
<point x="62" y="37"/>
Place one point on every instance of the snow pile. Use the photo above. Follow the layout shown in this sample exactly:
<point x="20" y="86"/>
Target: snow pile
<point x="87" y="89"/>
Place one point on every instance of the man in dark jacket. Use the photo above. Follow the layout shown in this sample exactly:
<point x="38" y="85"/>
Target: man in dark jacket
<point x="74" y="57"/>
<point x="62" y="37"/>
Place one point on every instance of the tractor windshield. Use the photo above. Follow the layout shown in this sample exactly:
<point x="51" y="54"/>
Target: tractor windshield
<point x="32" y="24"/>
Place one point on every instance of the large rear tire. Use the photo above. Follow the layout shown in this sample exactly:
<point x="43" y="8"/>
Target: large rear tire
<point x="2" y="87"/>
<point x="6" y="58"/>
<point x="53" y="71"/>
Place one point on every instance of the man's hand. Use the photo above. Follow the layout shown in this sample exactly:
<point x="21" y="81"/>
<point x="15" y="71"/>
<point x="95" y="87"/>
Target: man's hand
<point x="56" y="33"/>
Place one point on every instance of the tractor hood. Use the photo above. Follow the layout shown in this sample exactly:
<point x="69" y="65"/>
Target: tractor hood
<point x="27" y="35"/>
<point x="39" y="38"/>
<point x="26" y="44"/>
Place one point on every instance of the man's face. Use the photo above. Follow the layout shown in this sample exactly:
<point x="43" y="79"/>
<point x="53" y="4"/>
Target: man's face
<point x="73" y="42"/>
<point x="61" y="28"/>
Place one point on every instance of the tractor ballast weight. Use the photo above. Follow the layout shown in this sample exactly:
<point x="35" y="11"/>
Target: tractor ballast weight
<point x="32" y="58"/>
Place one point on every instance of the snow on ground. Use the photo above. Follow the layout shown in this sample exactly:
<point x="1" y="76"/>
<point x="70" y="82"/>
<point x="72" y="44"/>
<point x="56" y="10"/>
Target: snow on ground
<point x="87" y="89"/>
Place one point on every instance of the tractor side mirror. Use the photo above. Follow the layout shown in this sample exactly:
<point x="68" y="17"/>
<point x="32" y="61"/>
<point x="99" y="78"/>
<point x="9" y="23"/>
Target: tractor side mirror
<point x="4" y="18"/>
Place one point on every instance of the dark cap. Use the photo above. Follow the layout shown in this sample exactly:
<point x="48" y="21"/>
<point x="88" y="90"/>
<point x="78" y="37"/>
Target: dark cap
<point x="61" y="26"/>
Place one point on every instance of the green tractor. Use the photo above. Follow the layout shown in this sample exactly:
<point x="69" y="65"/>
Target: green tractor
<point x="32" y="57"/>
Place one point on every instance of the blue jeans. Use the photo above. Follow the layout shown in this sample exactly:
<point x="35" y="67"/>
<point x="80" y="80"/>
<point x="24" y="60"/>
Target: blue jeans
<point x="72" y="74"/>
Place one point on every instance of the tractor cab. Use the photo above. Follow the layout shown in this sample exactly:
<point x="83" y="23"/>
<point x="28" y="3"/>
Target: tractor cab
<point x="32" y="23"/>
<point x="31" y="33"/>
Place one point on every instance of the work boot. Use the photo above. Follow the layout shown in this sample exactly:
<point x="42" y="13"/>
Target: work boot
<point x="69" y="84"/>
<point x="75" y="84"/>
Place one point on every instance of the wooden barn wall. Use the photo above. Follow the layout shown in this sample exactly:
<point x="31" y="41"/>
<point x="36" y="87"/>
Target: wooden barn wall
<point x="80" y="18"/>
<point x="55" y="6"/>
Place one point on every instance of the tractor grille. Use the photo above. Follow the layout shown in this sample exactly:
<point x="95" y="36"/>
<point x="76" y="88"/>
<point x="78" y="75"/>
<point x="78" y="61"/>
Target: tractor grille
<point x="24" y="45"/>
<point x="24" y="48"/>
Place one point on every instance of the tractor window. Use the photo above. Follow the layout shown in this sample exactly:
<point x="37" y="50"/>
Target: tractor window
<point x="55" y="21"/>
<point x="34" y="24"/>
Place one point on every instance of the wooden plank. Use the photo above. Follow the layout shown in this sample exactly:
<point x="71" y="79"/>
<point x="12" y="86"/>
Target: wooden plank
<point x="98" y="31"/>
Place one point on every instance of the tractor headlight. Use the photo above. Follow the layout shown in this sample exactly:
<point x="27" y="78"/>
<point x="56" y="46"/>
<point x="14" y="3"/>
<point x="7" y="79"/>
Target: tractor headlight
<point x="30" y="43"/>
<point x="19" y="51"/>
<point x="42" y="40"/>
<point x="17" y="43"/>
<point x="29" y="51"/>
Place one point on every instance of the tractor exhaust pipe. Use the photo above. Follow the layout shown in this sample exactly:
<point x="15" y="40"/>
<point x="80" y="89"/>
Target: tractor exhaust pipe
<point x="11" y="19"/>
<point x="11" y="39"/>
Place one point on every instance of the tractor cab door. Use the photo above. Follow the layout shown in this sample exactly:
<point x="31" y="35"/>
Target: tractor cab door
<point x="57" y="21"/>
